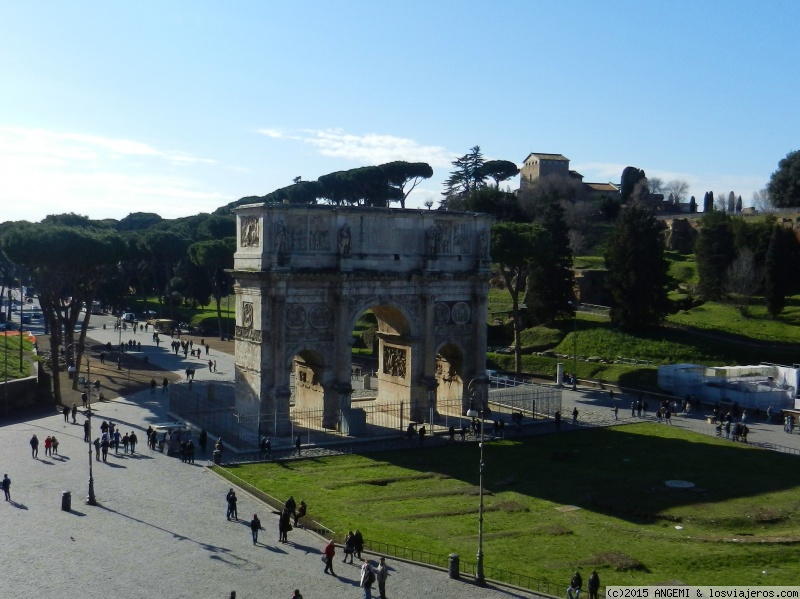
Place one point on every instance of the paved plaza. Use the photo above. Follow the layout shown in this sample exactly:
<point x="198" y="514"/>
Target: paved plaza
<point x="160" y="529"/>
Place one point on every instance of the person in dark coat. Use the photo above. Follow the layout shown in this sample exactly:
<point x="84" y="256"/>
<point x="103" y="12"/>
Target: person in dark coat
<point x="574" y="589"/>
<point x="298" y="442"/>
<point x="255" y="526"/>
<point x="231" y="499"/>
<point x="358" y="543"/>
<point x="34" y="447"/>
<point x="593" y="584"/>
<point x="284" y="526"/>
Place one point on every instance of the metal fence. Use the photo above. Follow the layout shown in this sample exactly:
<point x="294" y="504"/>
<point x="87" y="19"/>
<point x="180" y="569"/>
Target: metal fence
<point x="213" y="407"/>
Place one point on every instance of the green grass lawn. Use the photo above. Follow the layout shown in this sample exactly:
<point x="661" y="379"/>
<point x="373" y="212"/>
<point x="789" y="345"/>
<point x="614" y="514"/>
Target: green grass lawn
<point x="742" y="518"/>
<point x="713" y="316"/>
<point x="9" y="357"/>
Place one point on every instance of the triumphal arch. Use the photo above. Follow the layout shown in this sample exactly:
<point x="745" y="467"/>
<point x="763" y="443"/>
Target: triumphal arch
<point x="306" y="274"/>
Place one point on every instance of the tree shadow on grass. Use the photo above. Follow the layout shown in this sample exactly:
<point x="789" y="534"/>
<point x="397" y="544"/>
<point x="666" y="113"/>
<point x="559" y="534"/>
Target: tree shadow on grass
<point x="619" y="472"/>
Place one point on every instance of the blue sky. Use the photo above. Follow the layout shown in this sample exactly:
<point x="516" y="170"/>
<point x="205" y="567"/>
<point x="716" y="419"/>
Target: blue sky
<point x="108" y="108"/>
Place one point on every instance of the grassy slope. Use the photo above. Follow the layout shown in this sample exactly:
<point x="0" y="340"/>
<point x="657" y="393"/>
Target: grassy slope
<point x="627" y="527"/>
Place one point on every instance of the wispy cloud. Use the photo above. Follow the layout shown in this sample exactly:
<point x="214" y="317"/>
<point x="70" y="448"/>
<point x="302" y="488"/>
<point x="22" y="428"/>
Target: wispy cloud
<point x="77" y="146"/>
<point x="50" y="172"/>
<point x="370" y="148"/>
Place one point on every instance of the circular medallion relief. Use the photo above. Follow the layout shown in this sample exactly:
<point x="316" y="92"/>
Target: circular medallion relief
<point x="461" y="313"/>
<point x="320" y="317"/>
<point x="441" y="314"/>
<point x="295" y="316"/>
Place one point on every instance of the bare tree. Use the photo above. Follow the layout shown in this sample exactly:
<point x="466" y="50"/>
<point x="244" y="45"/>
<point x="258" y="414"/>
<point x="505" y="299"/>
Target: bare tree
<point x="761" y="200"/>
<point x="655" y="184"/>
<point x="721" y="201"/>
<point x="678" y="188"/>
<point x="744" y="280"/>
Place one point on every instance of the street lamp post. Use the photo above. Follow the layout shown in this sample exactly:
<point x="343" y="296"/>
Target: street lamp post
<point x="574" y="346"/>
<point x="119" y="347"/>
<point x="90" y="499"/>
<point x="476" y="389"/>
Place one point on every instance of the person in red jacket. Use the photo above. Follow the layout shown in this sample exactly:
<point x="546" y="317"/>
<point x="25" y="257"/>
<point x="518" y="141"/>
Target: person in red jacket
<point x="329" y="552"/>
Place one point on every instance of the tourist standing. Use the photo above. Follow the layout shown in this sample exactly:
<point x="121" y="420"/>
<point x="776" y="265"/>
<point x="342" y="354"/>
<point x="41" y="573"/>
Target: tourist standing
<point x="367" y="579"/>
<point x="284" y="526"/>
<point x="593" y="584"/>
<point x="382" y="574"/>
<point x="6" y="485"/>
<point x="231" y="499"/>
<point x="358" y="543"/>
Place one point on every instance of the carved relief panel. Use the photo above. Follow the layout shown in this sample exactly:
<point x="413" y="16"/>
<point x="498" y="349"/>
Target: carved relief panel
<point x="394" y="361"/>
<point x="249" y="232"/>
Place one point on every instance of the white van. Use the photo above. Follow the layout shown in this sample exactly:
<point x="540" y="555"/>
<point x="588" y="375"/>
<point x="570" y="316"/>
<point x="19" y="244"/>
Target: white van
<point x="128" y="316"/>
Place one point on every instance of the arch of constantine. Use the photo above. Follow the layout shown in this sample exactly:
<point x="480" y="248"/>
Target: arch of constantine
<point x="304" y="276"/>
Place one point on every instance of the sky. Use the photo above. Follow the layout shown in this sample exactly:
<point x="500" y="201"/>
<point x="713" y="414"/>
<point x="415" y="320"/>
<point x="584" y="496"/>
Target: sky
<point x="178" y="108"/>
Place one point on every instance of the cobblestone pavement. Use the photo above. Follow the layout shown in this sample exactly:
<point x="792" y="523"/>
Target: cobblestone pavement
<point x="159" y="529"/>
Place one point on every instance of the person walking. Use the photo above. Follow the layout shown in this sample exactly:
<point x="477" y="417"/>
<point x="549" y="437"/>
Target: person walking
<point x="255" y="526"/>
<point x="48" y="446"/>
<point x="153" y="385"/>
<point x="231" y="499"/>
<point x="74" y="412"/>
<point x="165" y="385"/>
<point x="54" y="444"/>
<point x="574" y="589"/>
<point x="298" y="442"/>
<point x="86" y="431"/>
<point x="367" y="579"/>
<point x="329" y="552"/>
<point x="190" y="451"/>
<point x="575" y="416"/>
<point x="358" y="543"/>
<point x="381" y="574"/>
<point x="132" y="439"/>
<point x="65" y="412"/>
<point x="6" y="485"/>
<point x="104" y="443"/>
<point x="97" y="449"/>
<point x="349" y="547"/>
<point x="593" y="584"/>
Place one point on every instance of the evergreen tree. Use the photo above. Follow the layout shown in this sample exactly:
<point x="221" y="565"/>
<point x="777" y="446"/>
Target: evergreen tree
<point x="779" y="268"/>
<point x="631" y="177"/>
<point x="692" y="205"/>
<point x="550" y="279"/>
<point x="784" y="184"/>
<point x="739" y="205"/>
<point x="731" y="203"/>
<point x="637" y="271"/>
<point x="714" y="252"/>
<point x="708" y="202"/>
<point x="467" y="176"/>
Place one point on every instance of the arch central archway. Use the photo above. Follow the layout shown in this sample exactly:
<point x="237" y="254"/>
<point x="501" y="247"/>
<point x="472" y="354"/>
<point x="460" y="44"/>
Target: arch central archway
<point x="305" y="274"/>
